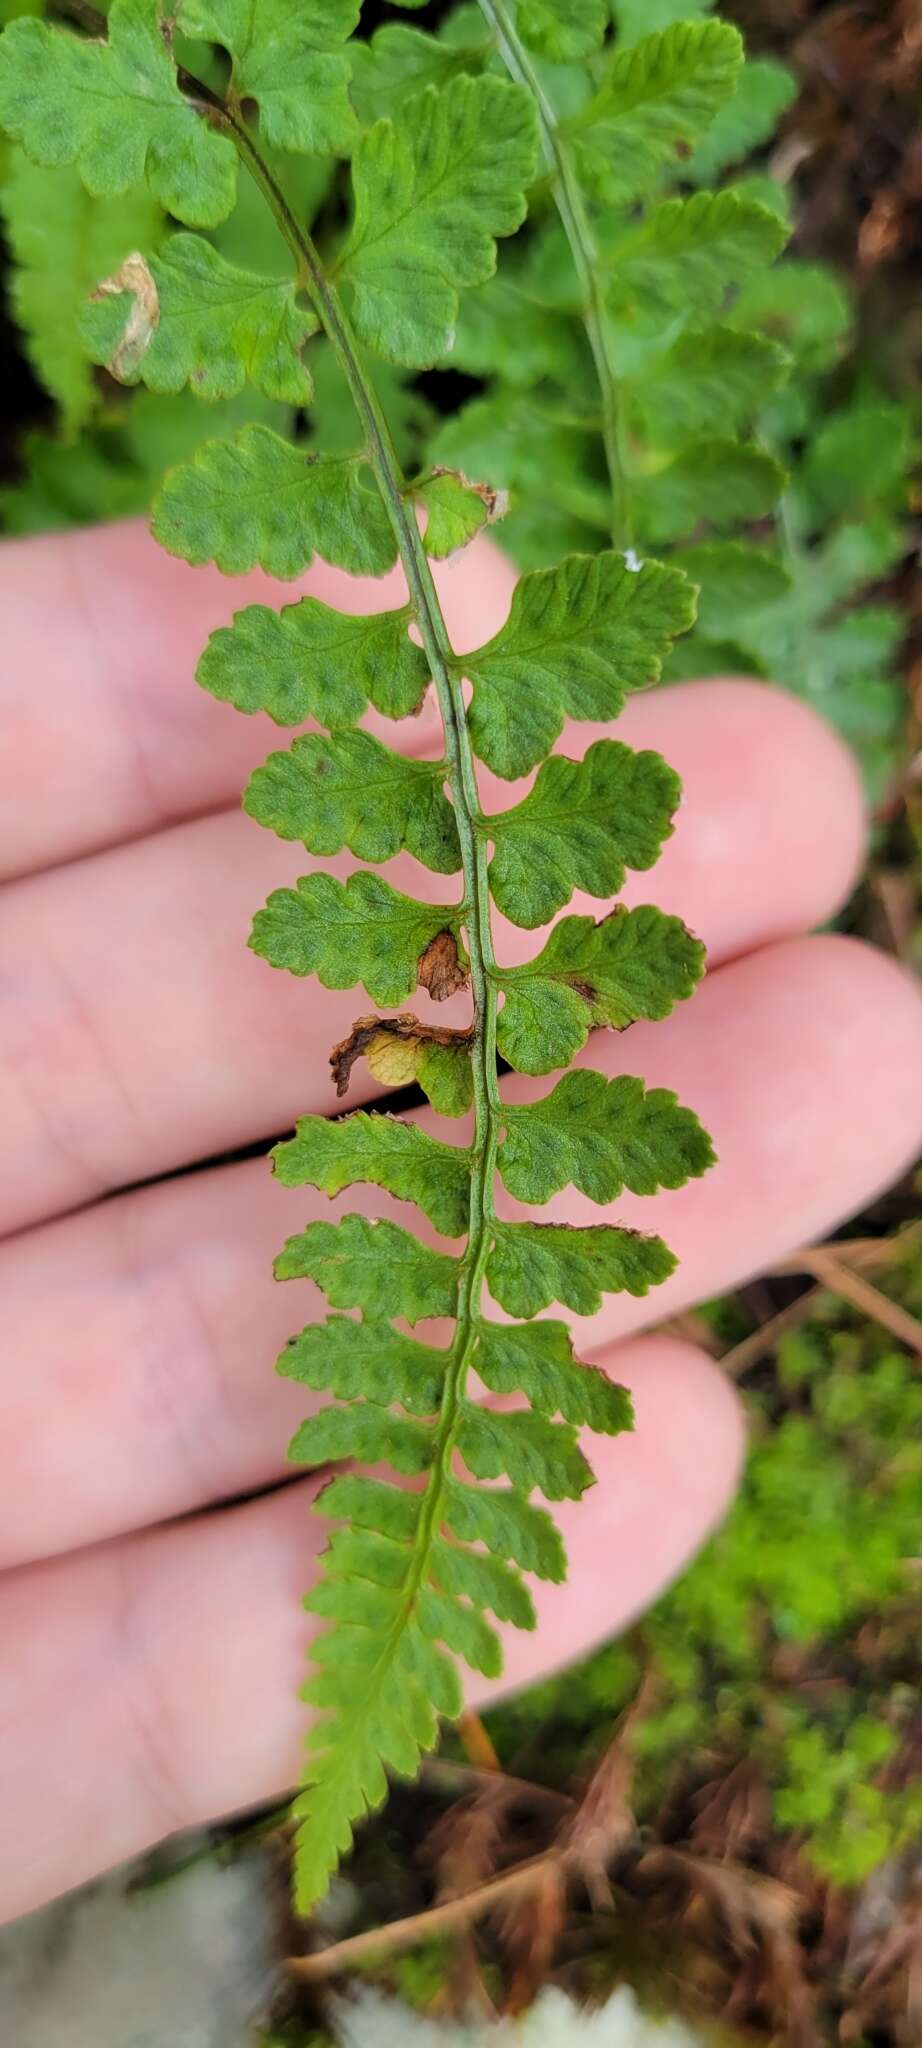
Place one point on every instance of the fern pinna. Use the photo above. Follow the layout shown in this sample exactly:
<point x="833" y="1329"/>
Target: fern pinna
<point x="412" y="1570"/>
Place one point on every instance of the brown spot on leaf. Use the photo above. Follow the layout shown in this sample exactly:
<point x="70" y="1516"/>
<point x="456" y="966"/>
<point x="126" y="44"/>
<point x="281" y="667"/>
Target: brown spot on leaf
<point x="135" y="276"/>
<point x="495" y="502"/>
<point x="391" y="1046"/>
<point x="441" y="969"/>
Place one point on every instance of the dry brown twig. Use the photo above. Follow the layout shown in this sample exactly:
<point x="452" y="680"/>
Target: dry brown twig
<point x="837" y="1269"/>
<point x="822" y="1261"/>
<point x="444" y="1775"/>
<point x="750" y="1349"/>
<point x="761" y="1916"/>
<point x="476" y="1742"/>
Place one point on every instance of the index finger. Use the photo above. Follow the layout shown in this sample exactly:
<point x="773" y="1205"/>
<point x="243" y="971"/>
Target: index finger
<point x="106" y="735"/>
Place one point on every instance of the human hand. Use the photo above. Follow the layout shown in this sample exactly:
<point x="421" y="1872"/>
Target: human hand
<point x="152" y="1652"/>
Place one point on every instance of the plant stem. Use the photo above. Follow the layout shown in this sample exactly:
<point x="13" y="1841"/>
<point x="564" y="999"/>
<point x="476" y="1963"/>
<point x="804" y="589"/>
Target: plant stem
<point x="397" y="1935"/>
<point x="578" y="230"/>
<point x="462" y="779"/>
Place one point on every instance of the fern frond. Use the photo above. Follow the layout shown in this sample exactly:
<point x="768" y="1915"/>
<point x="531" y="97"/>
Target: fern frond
<point x="413" y="1570"/>
<point x="654" y="101"/>
<point x="651" y="290"/>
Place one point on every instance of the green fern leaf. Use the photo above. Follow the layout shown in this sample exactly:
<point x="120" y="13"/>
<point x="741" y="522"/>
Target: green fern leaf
<point x="513" y="440"/>
<point x="366" y="1554"/>
<point x="399" y="62"/>
<point x="764" y="92"/>
<point x="374" y="1266"/>
<point x="116" y="111"/>
<point x="803" y="306"/>
<point x="372" y="1435"/>
<point x="485" y="1581"/>
<point x="397" y="1156"/>
<point x="191" y="318"/>
<point x="580" y="827"/>
<point x="427" y="1592"/>
<point x="855" y="555"/>
<point x="461" y="1629"/>
<point x="726" y="483"/>
<point x="563" y="36"/>
<point x="431" y="192"/>
<point x="349" y="790"/>
<point x="430" y="1687"/>
<point x="455" y="510"/>
<point x="636" y="18"/>
<point x="735" y="580"/>
<point x="858" y="459"/>
<point x="526" y="1448"/>
<point x="351" y="1359"/>
<point x="308" y="661"/>
<point x="344" y="1654"/>
<point x="711" y="381"/>
<point x="577" y="639"/>
<point x="364" y="931"/>
<point x="653" y="100"/>
<point x="537" y="1359"/>
<point x="687" y="253"/>
<point x="257" y="500"/>
<point x="287" y="57"/>
<point x="566" y="33"/>
<point x="371" y="1504"/>
<point x="635" y="963"/>
<point x="533" y="1264"/>
<point x="62" y="241"/>
<point x="603" y="1136"/>
<point x="362" y="1601"/>
<point x="505" y="330"/>
<point x="508" y="1526"/>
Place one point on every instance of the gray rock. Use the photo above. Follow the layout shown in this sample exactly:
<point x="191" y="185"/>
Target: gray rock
<point x="187" y="1963"/>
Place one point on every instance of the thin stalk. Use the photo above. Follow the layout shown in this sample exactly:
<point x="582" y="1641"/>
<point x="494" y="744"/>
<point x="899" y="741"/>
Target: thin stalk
<point x="462" y="780"/>
<point x="577" y="227"/>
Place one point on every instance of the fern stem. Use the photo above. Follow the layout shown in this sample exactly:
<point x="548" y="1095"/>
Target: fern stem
<point x="462" y="779"/>
<point x="577" y="227"/>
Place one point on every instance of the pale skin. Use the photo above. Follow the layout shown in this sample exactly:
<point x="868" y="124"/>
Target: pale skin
<point x="152" y="1652"/>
